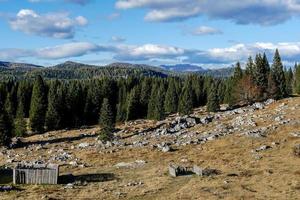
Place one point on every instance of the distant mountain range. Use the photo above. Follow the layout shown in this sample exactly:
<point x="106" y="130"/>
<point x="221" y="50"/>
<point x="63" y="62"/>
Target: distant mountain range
<point x="12" y="65"/>
<point x="184" y="68"/>
<point x="74" y="70"/>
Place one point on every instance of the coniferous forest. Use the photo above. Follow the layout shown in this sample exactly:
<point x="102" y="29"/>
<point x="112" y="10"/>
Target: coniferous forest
<point x="39" y="104"/>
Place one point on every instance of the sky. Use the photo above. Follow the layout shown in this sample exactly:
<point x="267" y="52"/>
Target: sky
<point x="208" y="33"/>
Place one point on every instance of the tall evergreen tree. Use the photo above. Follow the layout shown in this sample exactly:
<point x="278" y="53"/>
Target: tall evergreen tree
<point x="213" y="104"/>
<point x="38" y="106"/>
<point x="289" y="77"/>
<point x="5" y="128"/>
<point x="278" y="77"/>
<point x="185" y="106"/>
<point x="171" y="99"/>
<point x="152" y="101"/>
<point x="159" y="111"/>
<point x="297" y="79"/>
<point x="250" y="67"/>
<point x="122" y="103"/>
<point x="54" y="112"/>
<point x="106" y="121"/>
<point x="145" y="95"/>
<point x="133" y="105"/>
<point x="238" y="72"/>
<point x="20" y="125"/>
<point x="261" y="74"/>
<point x="9" y="106"/>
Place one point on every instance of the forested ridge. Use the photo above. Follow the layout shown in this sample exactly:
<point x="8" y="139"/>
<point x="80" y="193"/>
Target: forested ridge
<point x="51" y="102"/>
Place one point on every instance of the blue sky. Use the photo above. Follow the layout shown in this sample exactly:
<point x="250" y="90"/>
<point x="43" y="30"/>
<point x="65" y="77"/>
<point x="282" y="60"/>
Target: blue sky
<point x="210" y="33"/>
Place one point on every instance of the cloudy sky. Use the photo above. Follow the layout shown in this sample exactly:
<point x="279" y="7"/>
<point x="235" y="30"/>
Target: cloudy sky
<point x="211" y="33"/>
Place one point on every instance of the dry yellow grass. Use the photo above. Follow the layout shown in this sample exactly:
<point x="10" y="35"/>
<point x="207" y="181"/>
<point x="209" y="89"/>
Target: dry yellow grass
<point x="275" y="176"/>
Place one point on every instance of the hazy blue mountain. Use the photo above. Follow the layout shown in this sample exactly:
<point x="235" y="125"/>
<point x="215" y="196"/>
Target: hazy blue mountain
<point x="12" y="65"/>
<point x="184" y="68"/>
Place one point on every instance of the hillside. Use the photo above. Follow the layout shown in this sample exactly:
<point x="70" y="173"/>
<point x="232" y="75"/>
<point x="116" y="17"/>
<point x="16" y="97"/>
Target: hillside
<point x="11" y="65"/>
<point x="74" y="70"/>
<point x="251" y="147"/>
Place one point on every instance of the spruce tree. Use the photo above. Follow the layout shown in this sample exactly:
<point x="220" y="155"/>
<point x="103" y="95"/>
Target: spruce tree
<point x="152" y="101"/>
<point x="185" y="106"/>
<point x="20" y="127"/>
<point x="145" y="95"/>
<point x="5" y="129"/>
<point x="289" y="77"/>
<point x="250" y="67"/>
<point x="213" y="104"/>
<point x="159" y="111"/>
<point x="261" y="74"/>
<point x="297" y="79"/>
<point x="278" y="77"/>
<point x="238" y="72"/>
<point x="106" y="121"/>
<point x="38" y="106"/>
<point x="122" y="104"/>
<point x="10" y="105"/>
<point x="54" y="112"/>
<point x="133" y="107"/>
<point x="171" y="99"/>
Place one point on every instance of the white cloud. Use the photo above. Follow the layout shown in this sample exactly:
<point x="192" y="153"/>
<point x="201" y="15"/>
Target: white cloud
<point x="205" y="30"/>
<point x="263" y="12"/>
<point x="80" y="2"/>
<point x="56" y="25"/>
<point x="66" y="50"/>
<point x="117" y="39"/>
<point x="146" y="53"/>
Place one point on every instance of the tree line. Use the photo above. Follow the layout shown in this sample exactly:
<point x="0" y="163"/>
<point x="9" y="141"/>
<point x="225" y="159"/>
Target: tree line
<point x="46" y="105"/>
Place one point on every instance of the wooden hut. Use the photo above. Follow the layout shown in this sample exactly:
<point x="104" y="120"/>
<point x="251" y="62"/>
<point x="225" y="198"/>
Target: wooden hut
<point x="35" y="174"/>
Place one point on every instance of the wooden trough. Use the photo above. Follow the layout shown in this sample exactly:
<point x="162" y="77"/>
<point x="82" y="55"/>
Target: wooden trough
<point x="35" y="174"/>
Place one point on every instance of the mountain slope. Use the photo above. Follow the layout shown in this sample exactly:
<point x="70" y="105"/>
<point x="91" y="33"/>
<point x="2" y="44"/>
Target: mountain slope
<point x="11" y="65"/>
<point x="184" y="68"/>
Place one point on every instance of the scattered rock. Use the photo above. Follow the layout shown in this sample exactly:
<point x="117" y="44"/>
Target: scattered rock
<point x="135" y="164"/>
<point x="83" y="145"/>
<point x="166" y="149"/>
<point x="69" y="186"/>
<point x="5" y="188"/>
<point x="258" y="106"/>
<point x="296" y="150"/>
<point x="295" y="134"/>
<point x="263" y="148"/>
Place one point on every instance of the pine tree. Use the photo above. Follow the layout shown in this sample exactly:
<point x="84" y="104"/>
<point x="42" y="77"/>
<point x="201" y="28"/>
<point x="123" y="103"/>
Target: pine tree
<point x="10" y="105"/>
<point x="171" y="99"/>
<point x="213" y="100"/>
<point x="106" y="121"/>
<point x="145" y="95"/>
<point x="20" y="126"/>
<point x="238" y="72"/>
<point x="250" y="67"/>
<point x="38" y="106"/>
<point x="5" y="125"/>
<point x="152" y="101"/>
<point x="122" y="104"/>
<point x="297" y="79"/>
<point x="289" y="77"/>
<point x="159" y="111"/>
<point x="54" y="112"/>
<point x="261" y="74"/>
<point x="185" y="106"/>
<point x="133" y="105"/>
<point x="278" y="77"/>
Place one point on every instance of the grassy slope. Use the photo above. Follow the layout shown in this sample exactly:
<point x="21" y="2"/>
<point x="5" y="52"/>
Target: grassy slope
<point x="275" y="176"/>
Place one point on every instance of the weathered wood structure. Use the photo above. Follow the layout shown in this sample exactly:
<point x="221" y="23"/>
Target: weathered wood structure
<point x="35" y="174"/>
